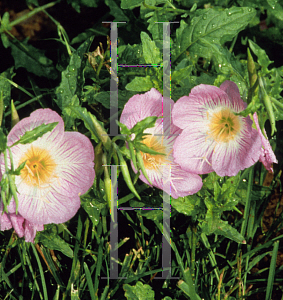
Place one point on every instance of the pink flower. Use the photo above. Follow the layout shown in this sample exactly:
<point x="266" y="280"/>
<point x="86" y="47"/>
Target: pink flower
<point x="150" y="104"/>
<point x="59" y="168"/>
<point x="267" y="156"/>
<point x="214" y="138"/>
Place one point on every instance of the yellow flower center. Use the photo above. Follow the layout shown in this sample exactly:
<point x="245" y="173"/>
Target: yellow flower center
<point x="39" y="167"/>
<point x="154" y="161"/>
<point x="224" y="126"/>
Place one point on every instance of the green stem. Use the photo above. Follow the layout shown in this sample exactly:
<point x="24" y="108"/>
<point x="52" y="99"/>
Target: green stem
<point x="28" y="15"/>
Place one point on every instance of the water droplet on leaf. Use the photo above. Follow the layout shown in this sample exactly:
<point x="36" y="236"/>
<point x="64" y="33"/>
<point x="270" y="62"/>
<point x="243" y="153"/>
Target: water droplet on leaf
<point x="72" y="68"/>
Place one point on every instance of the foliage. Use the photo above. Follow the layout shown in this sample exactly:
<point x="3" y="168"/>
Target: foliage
<point x="220" y="247"/>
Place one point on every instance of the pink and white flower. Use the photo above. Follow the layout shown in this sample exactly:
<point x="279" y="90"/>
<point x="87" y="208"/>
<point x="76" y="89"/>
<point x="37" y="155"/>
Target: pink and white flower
<point x="59" y="168"/>
<point x="182" y="183"/>
<point x="267" y="156"/>
<point x="214" y="137"/>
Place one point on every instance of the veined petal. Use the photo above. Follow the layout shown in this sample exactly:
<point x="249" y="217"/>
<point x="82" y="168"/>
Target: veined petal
<point x="44" y="207"/>
<point x="184" y="183"/>
<point x="229" y="158"/>
<point x="144" y="105"/>
<point x="193" y="151"/>
<point x="193" y="107"/>
<point x="75" y="167"/>
<point x="38" y="117"/>
<point x="232" y="90"/>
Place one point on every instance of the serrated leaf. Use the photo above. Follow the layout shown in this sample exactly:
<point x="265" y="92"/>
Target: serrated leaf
<point x="214" y="26"/>
<point x="32" y="59"/>
<point x="213" y="224"/>
<point x="53" y="241"/>
<point x="151" y="53"/>
<point x="138" y="292"/>
<point x="189" y="205"/>
<point x="140" y="84"/>
<point x="34" y="134"/>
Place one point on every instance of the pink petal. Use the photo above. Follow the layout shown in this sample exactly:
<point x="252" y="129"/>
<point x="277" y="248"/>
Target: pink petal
<point x="75" y="166"/>
<point x="5" y="222"/>
<point x="229" y="158"/>
<point x="267" y="156"/>
<point x="48" y="206"/>
<point x="232" y="90"/>
<point x="38" y="117"/>
<point x="141" y="106"/>
<point x="184" y="183"/>
<point x="193" y="151"/>
<point x="30" y="230"/>
<point x="192" y="107"/>
<point x="17" y="222"/>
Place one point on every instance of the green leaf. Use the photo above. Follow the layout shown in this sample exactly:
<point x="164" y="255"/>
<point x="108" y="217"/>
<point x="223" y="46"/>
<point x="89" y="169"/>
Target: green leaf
<point x="138" y="292"/>
<point x="52" y="240"/>
<point x="262" y="57"/>
<point x="92" y="209"/>
<point x="3" y="141"/>
<point x="70" y="89"/>
<point x="5" y="86"/>
<point x="123" y="128"/>
<point x="130" y="4"/>
<point x="152" y="214"/>
<point x="95" y="127"/>
<point x="140" y="126"/>
<point x="140" y="84"/>
<point x="32" y="59"/>
<point x="151" y="53"/>
<point x="76" y="4"/>
<point x="276" y="9"/>
<point x="18" y="170"/>
<point x="189" y="205"/>
<point x="216" y="27"/>
<point x="34" y="134"/>
<point x="213" y="224"/>
<point x="116" y="11"/>
<point x="5" y="27"/>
